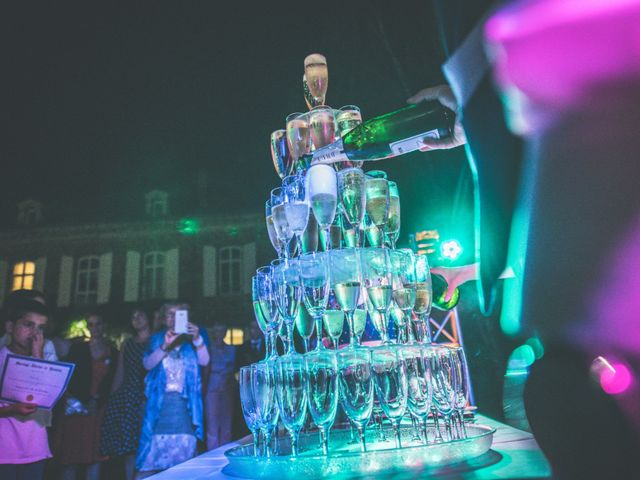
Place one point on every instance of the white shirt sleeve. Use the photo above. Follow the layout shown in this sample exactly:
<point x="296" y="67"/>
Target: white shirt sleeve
<point x="49" y="351"/>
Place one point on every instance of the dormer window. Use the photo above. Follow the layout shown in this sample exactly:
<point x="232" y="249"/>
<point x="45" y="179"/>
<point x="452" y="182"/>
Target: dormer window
<point x="29" y="212"/>
<point x="156" y="203"/>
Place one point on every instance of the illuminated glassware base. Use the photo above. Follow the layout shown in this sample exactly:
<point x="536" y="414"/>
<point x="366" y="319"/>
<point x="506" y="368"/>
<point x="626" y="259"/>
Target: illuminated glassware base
<point x="345" y="458"/>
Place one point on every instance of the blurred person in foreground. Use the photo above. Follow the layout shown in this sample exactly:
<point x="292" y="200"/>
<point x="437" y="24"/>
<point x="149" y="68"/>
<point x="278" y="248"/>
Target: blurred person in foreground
<point x="173" y="421"/>
<point x="25" y="446"/>
<point x="575" y="242"/>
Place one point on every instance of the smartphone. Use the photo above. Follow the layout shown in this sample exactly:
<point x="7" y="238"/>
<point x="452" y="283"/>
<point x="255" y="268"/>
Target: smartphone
<point x="182" y="319"/>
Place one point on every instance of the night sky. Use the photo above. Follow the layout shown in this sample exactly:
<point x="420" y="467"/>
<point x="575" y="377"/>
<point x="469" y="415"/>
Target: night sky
<point x="102" y="102"/>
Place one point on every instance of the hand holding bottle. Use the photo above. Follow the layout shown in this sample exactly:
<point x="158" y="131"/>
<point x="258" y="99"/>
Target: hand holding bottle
<point x="456" y="276"/>
<point x="444" y="95"/>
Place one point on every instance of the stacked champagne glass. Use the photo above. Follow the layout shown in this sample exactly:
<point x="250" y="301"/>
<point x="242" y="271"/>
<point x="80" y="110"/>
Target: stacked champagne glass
<point x="334" y="228"/>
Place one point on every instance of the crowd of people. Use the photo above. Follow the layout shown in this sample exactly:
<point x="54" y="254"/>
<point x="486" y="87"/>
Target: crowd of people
<point x="158" y="400"/>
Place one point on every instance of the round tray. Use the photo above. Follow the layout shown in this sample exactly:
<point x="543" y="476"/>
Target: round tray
<point x="345" y="458"/>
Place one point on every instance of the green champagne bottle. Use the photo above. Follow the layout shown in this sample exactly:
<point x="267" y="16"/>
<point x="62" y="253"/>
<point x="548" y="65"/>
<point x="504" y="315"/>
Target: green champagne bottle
<point x="389" y="135"/>
<point x="439" y="289"/>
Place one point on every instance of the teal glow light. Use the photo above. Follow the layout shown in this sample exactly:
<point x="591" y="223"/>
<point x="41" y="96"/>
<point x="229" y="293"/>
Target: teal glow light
<point x="451" y="249"/>
<point x="188" y="226"/>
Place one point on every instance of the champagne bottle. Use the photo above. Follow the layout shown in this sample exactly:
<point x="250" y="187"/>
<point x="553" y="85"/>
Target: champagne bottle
<point x="439" y="288"/>
<point x="389" y="135"/>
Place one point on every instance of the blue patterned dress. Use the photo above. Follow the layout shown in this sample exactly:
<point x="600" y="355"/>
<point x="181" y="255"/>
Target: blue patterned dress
<point x="123" y="415"/>
<point x="173" y="420"/>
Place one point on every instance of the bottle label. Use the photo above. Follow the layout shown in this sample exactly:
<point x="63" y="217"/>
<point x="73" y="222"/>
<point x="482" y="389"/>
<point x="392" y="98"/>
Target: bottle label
<point x="330" y="154"/>
<point x="413" y="143"/>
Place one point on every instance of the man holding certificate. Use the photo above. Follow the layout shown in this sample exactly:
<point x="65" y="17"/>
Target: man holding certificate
<point x="24" y="439"/>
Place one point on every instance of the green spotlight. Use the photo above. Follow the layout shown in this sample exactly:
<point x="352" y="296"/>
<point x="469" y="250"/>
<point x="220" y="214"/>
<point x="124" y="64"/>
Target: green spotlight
<point x="188" y="226"/>
<point x="450" y="249"/>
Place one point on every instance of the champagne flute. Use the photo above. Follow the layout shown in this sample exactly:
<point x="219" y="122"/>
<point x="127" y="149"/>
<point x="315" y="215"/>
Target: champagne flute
<point x="314" y="277"/>
<point x="376" y="274"/>
<point x="401" y="323"/>
<point x="266" y="308"/>
<point x="296" y="207"/>
<point x="462" y="388"/>
<point x="271" y="230"/>
<point x="443" y="378"/>
<point x="422" y="306"/>
<point x="282" y="161"/>
<point x="334" y="323"/>
<point x="291" y="392"/>
<point x="377" y="198"/>
<point x="298" y="137"/>
<point x="349" y="232"/>
<point x="346" y="280"/>
<point x="372" y="232"/>
<point x="420" y="385"/>
<point x="322" y="127"/>
<point x="288" y="293"/>
<point x="322" y="391"/>
<point x="359" y="323"/>
<point x="392" y="228"/>
<point x="356" y="387"/>
<point x="390" y="380"/>
<point x="279" y="219"/>
<point x="404" y="283"/>
<point x="317" y="75"/>
<point x="267" y="411"/>
<point x="304" y="325"/>
<point x="248" y="403"/>
<point x="347" y="118"/>
<point x="322" y="190"/>
<point x="351" y="188"/>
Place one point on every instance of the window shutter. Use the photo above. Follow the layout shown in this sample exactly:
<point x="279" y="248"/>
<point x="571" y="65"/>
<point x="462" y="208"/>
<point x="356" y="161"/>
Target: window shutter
<point x="64" y="281"/>
<point x="41" y="268"/>
<point x="132" y="276"/>
<point x="4" y="280"/>
<point x="104" y="278"/>
<point x="248" y="266"/>
<point x="209" y="272"/>
<point x="171" y="268"/>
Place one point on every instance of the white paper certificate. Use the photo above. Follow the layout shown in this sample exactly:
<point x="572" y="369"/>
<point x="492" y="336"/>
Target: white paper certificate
<point x="31" y="380"/>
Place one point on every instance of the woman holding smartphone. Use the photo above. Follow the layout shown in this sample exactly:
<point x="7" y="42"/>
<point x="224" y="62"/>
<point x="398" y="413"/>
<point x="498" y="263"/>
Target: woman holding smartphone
<point x="173" y="420"/>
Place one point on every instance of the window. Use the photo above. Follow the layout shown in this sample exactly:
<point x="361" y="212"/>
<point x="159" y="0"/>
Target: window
<point x="23" y="275"/>
<point x="87" y="280"/>
<point x="153" y="275"/>
<point x="234" y="336"/>
<point x="29" y="212"/>
<point x="156" y="203"/>
<point x="229" y="272"/>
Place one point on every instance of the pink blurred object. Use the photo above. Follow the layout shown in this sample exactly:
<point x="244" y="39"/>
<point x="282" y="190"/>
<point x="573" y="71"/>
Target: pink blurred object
<point x="548" y="54"/>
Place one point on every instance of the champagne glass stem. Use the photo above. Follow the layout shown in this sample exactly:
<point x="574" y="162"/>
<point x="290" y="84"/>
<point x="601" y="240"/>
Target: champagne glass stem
<point x="324" y="440"/>
<point x="299" y="243"/>
<point x="305" y="341"/>
<point x="327" y="238"/>
<point x="363" y="443"/>
<point x="255" y="434"/>
<point x="267" y="345"/>
<point x="290" y="349"/>
<point x="424" y="328"/>
<point x="424" y="431"/>
<point x="384" y="334"/>
<point x="335" y="341"/>
<point x="353" y="340"/>
<point x="319" y="345"/>
<point x="463" y="427"/>
<point x="436" y="421"/>
<point x="267" y="442"/>
<point x="396" y="431"/>
<point x="294" y="442"/>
